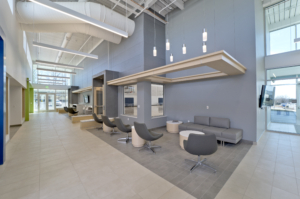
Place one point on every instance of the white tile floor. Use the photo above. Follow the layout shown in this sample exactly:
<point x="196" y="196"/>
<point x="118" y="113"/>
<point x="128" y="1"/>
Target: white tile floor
<point x="270" y="170"/>
<point x="288" y="128"/>
<point x="49" y="157"/>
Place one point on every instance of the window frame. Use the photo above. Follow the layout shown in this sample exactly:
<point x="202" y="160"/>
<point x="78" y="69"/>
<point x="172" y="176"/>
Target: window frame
<point x="163" y="115"/>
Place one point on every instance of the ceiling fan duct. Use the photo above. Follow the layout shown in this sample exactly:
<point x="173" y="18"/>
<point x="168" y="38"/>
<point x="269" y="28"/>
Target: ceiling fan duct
<point x="36" y="18"/>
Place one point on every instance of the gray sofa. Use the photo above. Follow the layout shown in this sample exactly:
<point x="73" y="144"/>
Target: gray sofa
<point x="218" y="126"/>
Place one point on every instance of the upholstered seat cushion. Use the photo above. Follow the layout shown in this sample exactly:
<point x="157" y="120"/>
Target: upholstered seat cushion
<point x="214" y="130"/>
<point x="195" y="127"/>
<point x="233" y="134"/>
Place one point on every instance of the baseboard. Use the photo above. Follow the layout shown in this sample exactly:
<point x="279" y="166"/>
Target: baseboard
<point x="249" y="142"/>
<point x="15" y="125"/>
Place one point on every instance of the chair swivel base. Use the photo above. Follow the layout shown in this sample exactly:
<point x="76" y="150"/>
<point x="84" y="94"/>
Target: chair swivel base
<point x="125" y="140"/>
<point x="98" y="128"/>
<point x="114" y="132"/>
<point x="149" y="146"/>
<point x="199" y="163"/>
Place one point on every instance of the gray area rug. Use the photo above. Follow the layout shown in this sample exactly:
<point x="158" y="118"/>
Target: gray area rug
<point x="169" y="162"/>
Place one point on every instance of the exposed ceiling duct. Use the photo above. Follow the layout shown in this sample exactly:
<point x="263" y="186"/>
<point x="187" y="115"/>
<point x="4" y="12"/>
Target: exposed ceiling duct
<point x="36" y="18"/>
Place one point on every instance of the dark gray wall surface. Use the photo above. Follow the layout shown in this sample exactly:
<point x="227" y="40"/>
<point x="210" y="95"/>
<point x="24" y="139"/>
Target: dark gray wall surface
<point x="231" y="27"/>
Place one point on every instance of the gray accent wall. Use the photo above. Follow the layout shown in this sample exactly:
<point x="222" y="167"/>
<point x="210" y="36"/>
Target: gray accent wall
<point x="231" y="27"/>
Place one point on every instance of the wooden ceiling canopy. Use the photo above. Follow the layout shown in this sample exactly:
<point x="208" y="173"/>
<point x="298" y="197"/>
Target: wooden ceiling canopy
<point x="221" y="61"/>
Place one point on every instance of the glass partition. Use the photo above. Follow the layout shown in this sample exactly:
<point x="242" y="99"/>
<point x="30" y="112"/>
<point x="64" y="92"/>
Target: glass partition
<point x="284" y="115"/>
<point x="157" y="100"/>
<point x="130" y="100"/>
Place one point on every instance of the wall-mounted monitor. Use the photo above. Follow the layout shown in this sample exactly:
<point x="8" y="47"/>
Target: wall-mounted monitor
<point x="86" y="99"/>
<point x="267" y="96"/>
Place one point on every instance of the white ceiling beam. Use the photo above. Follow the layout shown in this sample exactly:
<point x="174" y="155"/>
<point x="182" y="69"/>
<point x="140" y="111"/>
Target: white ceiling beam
<point x="150" y="3"/>
<point x="91" y="50"/>
<point x="57" y="64"/>
<point x="147" y="5"/>
<point x="56" y="71"/>
<point x="179" y="4"/>
<point x="124" y="6"/>
<point x="74" y="52"/>
<point x="139" y="7"/>
<point x="81" y="17"/>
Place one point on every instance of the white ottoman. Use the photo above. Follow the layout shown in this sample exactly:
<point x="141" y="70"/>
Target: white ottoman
<point x="172" y="127"/>
<point x="184" y="135"/>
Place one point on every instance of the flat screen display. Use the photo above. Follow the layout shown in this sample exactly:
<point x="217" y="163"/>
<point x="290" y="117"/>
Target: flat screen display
<point x="267" y="96"/>
<point x="86" y="99"/>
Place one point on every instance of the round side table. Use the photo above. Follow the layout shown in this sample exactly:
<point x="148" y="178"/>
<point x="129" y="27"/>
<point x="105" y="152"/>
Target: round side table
<point x="172" y="127"/>
<point x="136" y="141"/>
<point x="184" y="135"/>
<point x="106" y="128"/>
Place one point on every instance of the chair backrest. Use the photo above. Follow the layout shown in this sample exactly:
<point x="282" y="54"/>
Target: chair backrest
<point x="107" y="122"/>
<point x="96" y="118"/>
<point x="202" y="144"/>
<point x="66" y="109"/>
<point x="121" y="126"/>
<point x="71" y="110"/>
<point x="142" y="131"/>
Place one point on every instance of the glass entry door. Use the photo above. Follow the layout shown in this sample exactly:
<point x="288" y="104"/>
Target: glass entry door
<point x="51" y="102"/>
<point x="46" y="102"/>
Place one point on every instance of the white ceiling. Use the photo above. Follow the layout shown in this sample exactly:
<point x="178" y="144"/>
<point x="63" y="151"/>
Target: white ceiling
<point x="77" y="40"/>
<point x="283" y="10"/>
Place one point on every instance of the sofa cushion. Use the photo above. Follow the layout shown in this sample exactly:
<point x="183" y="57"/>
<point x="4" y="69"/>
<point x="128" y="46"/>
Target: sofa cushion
<point x="220" y="122"/>
<point x="233" y="134"/>
<point x="182" y="127"/>
<point x="201" y="120"/>
<point x="195" y="127"/>
<point x="214" y="130"/>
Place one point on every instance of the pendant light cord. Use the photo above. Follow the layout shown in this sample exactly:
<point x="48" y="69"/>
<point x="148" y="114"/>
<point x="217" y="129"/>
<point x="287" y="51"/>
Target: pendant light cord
<point x="154" y="30"/>
<point x="234" y="28"/>
<point x="215" y="25"/>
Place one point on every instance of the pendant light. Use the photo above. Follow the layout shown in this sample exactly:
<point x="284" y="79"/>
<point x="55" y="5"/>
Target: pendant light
<point x="204" y="38"/>
<point x="154" y="48"/>
<point x="204" y="35"/>
<point x="168" y="45"/>
<point x="167" y="42"/>
<point x="204" y="48"/>
<point x="183" y="49"/>
<point x="154" y="52"/>
<point x="183" y="45"/>
<point x="171" y="57"/>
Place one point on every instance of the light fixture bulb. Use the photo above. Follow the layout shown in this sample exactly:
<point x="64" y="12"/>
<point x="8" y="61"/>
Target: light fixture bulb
<point x="183" y="49"/>
<point x="171" y="57"/>
<point x="154" y="51"/>
<point x="204" y="48"/>
<point x="204" y="35"/>
<point x="168" y="45"/>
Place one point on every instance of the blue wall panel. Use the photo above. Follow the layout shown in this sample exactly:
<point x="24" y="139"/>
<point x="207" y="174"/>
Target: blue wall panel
<point x="2" y="102"/>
